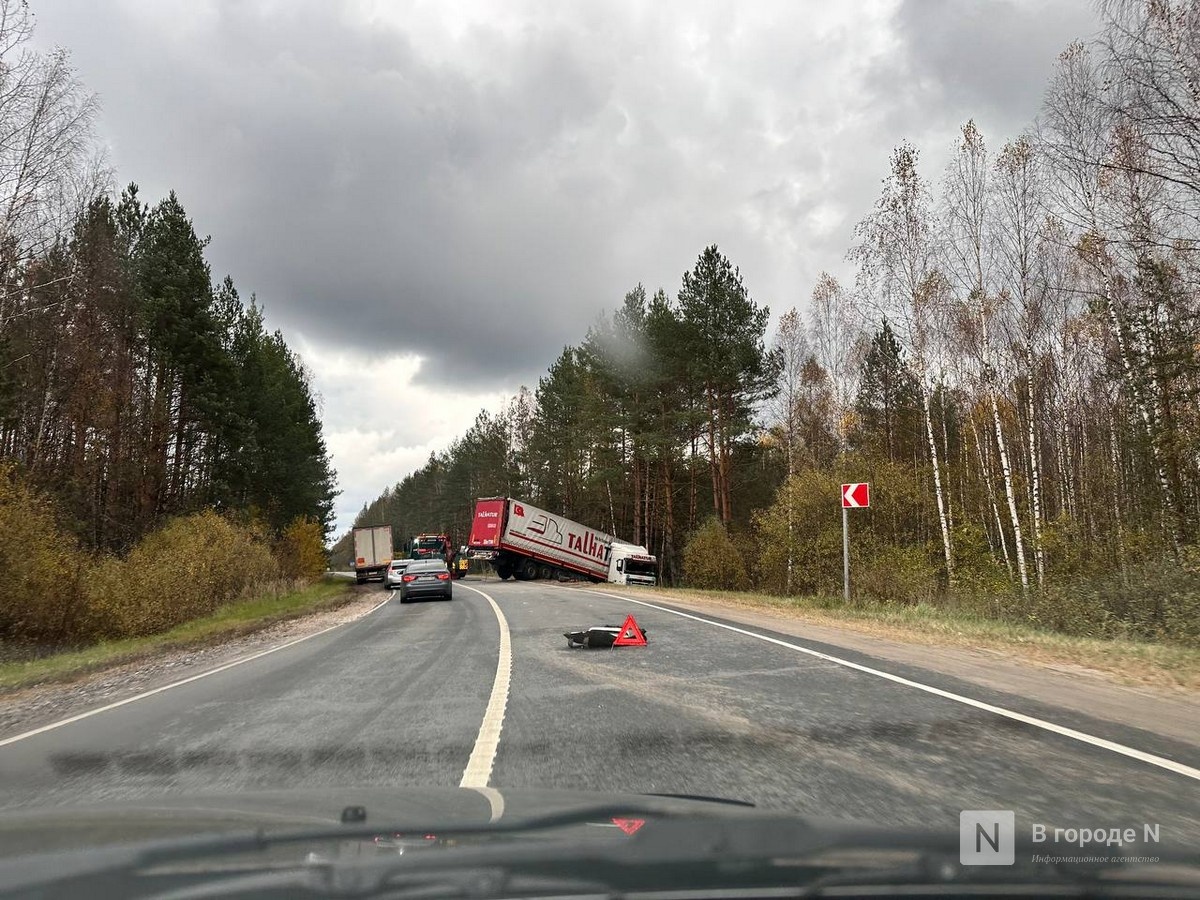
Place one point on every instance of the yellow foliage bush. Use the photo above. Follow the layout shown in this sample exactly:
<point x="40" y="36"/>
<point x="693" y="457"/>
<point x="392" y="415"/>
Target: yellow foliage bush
<point x="300" y="550"/>
<point x="895" y="575"/>
<point x="187" y="569"/>
<point x="39" y="562"/>
<point x="711" y="560"/>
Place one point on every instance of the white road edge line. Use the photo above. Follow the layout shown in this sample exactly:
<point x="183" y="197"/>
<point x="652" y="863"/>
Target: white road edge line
<point x="479" y="766"/>
<point x="174" y="684"/>
<point x="1162" y="762"/>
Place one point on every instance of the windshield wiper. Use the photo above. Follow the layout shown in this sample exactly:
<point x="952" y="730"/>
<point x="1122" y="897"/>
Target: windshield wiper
<point x="728" y="801"/>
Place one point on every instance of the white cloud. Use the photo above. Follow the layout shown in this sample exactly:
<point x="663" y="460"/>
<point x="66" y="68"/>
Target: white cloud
<point x="380" y="424"/>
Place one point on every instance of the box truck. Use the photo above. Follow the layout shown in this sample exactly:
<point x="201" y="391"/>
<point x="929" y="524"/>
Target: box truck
<point x="372" y="552"/>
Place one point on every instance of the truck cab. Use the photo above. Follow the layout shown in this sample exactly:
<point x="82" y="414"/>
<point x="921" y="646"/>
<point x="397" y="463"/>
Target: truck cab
<point x="438" y="546"/>
<point x="632" y="564"/>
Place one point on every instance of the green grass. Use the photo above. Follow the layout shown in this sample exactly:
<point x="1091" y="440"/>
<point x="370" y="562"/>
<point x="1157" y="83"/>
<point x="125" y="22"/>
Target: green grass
<point x="1128" y="660"/>
<point x="227" y="622"/>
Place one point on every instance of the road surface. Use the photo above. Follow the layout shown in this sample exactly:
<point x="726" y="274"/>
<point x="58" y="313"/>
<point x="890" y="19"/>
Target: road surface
<point x="485" y="691"/>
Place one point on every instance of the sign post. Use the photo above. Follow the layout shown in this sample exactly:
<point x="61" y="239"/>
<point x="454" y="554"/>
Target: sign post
<point x="845" y="552"/>
<point x="854" y="496"/>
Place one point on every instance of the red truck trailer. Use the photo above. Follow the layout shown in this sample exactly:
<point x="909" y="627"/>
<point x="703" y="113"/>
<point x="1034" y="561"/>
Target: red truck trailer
<point x="525" y="542"/>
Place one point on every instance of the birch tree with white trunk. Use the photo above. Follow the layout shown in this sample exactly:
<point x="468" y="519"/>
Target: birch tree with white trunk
<point x="1020" y="212"/>
<point x="969" y="259"/>
<point x="897" y="256"/>
<point x="838" y="344"/>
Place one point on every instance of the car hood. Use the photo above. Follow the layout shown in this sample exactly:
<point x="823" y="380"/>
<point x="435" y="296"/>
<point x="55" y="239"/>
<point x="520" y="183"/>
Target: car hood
<point x="391" y="809"/>
<point x="568" y="842"/>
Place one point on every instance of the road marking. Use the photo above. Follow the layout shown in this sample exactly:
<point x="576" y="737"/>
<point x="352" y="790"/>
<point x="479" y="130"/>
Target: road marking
<point x="189" y="680"/>
<point x="1162" y="762"/>
<point x="479" y="766"/>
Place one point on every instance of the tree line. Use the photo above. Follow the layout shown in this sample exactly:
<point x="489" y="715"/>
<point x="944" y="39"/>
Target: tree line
<point x="1014" y="365"/>
<point x="134" y="387"/>
<point x="644" y="429"/>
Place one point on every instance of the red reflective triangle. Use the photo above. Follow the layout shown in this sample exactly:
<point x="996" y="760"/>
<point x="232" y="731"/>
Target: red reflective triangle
<point x="629" y="826"/>
<point x="625" y="639"/>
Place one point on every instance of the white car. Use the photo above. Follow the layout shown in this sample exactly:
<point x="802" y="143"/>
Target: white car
<point x="394" y="576"/>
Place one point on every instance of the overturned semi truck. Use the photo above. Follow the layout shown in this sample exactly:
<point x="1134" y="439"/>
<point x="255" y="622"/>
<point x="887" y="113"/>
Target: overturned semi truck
<point x="522" y="541"/>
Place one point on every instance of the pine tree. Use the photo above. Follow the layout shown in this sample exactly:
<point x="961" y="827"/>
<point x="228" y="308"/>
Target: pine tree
<point x="722" y="333"/>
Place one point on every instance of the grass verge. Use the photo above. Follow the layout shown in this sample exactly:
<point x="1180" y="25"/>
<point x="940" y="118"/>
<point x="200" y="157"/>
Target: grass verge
<point x="228" y="622"/>
<point x="1129" y="661"/>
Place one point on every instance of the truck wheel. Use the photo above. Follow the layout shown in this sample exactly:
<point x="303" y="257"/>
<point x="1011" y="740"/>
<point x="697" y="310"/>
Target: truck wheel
<point x="545" y="572"/>
<point x="529" y="570"/>
<point x="504" y="572"/>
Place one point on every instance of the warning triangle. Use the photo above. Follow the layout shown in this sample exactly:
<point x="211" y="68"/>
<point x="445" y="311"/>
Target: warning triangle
<point x="629" y="826"/>
<point x="630" y="635"/>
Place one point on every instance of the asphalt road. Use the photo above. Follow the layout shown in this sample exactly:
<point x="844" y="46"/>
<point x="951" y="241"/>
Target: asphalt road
<point x="404" y="697"/>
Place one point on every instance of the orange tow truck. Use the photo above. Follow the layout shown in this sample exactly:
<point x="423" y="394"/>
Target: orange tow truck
<point x="431" y="546"/>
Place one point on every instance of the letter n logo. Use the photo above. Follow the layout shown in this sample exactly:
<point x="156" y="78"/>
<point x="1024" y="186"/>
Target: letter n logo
<point x="987" y="837"/>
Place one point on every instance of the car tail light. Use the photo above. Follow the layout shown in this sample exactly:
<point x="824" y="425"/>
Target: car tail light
<point x="410" y="578"/>
<point x="443" y="576"/>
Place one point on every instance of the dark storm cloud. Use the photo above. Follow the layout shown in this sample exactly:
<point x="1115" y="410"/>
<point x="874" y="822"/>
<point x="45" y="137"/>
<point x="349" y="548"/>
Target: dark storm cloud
<point x="985" y="59"/>
<point x="371" y="195"/>
<point x="493" y="177"/>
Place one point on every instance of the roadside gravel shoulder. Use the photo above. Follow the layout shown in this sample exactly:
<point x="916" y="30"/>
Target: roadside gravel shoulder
<point x="33" y="707"/>
<point x="1172" y="713"/>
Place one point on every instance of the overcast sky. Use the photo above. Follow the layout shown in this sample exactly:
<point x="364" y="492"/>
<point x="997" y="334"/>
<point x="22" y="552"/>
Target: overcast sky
<point x="432" y="198"/>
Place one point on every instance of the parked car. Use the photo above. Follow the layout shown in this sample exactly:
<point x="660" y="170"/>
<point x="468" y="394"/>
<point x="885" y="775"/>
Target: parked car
<point x="395" y="573"/>
<point x="426" y="578"/>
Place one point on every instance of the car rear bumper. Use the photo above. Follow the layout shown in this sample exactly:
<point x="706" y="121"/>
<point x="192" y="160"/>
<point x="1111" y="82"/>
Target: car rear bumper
<point x="438" y="590"/>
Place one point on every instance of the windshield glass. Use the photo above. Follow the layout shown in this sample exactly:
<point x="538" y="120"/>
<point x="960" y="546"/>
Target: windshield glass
<point x="640" y="567"/>
<point x="875" y="325"/>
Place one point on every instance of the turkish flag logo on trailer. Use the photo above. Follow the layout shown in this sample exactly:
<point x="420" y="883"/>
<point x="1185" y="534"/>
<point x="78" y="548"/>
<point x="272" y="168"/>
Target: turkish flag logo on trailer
<point x="856" y="495"/>
<point x="630" y="635"/>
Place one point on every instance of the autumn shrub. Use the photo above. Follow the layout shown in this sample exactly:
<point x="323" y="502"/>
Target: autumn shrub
<point x="184" y="570"/>
<point x="711" y="560"/>
<point x="801" y="531"/>
<point x="300" y="550"/>
<point x="1157" y="601"/>
<point x="894" y="575"/>
<point x="39" y="562"/>
<point x="800" y="534"/>
<point x="981" y="583"/>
